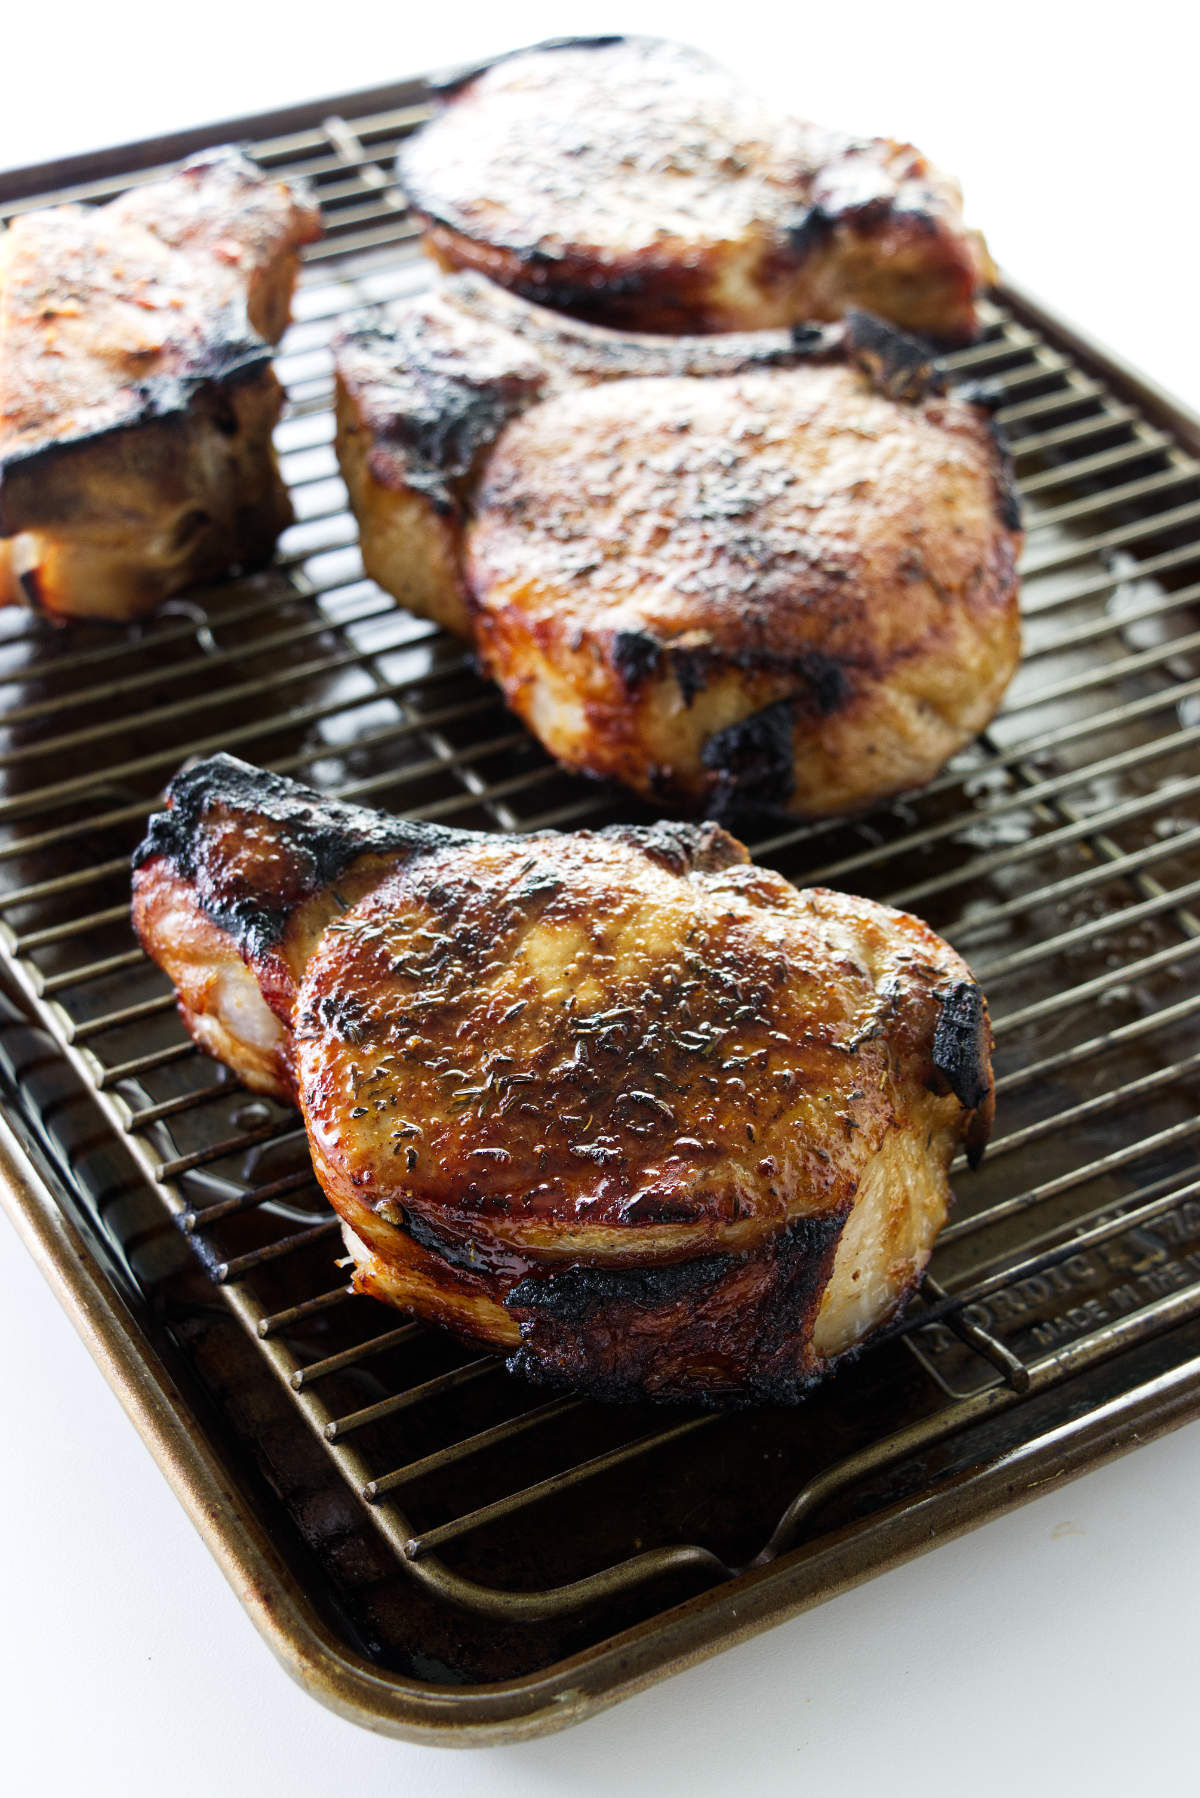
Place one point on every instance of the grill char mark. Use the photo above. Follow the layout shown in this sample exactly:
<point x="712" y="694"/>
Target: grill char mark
<point x="226" y="361"/>
<point x="623" y="1333"/>
<point x="306" y="840"/>
<point x="312" y="841"/>
<point x="443" y="411"/>
<point x="752" y="759"/>
<point x="960" y="1046"/>
<point x="898" y="364"/>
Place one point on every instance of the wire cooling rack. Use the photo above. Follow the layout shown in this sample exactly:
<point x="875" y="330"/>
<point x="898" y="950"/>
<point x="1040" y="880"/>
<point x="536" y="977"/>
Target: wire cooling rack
<point x="470" y="1556"/>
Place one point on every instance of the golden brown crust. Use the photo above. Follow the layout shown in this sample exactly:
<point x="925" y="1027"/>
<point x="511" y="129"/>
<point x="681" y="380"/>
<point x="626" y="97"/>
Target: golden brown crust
<point x="618" y="1101"/>
<point x="779" y="587"/>
<point x="573" y="1049"/>
<point x="636" y="183"/>
<point x="137" y="399"/>
<point x="422" y="398"/>
<point x="729" y="571"/>
<point x="226" y="213"/>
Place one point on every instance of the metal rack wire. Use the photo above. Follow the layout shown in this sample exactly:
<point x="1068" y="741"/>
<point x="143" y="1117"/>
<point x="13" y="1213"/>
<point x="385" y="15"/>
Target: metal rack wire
<point x="1060" y="854"/>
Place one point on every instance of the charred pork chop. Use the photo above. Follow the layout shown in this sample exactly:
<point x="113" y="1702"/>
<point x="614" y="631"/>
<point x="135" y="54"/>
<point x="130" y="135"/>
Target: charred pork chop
<point x="636" y="183"/>
<point x="137" y="398"/>
<point x="773" y="568"/>
<point x="619" y="1104"/>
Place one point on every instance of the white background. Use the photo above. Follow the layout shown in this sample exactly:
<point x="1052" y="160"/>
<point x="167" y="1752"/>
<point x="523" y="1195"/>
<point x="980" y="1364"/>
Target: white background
<point x="1051" y="1651"/>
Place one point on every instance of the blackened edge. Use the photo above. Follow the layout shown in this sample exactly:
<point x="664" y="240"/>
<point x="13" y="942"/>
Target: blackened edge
<point x="635" y="655"/>
<point x="572" y="1294"/>
<point x="753" y="759"/>
<point x="808" y="229"/>
<point x="960" y="1044"/>
<point x="320" y="838"/>
<point x="900" y="366"/>
<point x="829" y="684"/>
<point x="331" y="832"/>
<point x="681" y="848"/>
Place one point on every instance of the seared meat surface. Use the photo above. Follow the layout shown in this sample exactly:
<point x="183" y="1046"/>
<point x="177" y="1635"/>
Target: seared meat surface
<point x="617" y="1103"/>
<point x="768" y="568"/>
<point x="636" y="183"/>
<point x="137" y="398"/>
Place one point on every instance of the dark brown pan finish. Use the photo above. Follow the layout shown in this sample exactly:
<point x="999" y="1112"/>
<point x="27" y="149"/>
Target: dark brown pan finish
<point x="431" y="1546"/>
